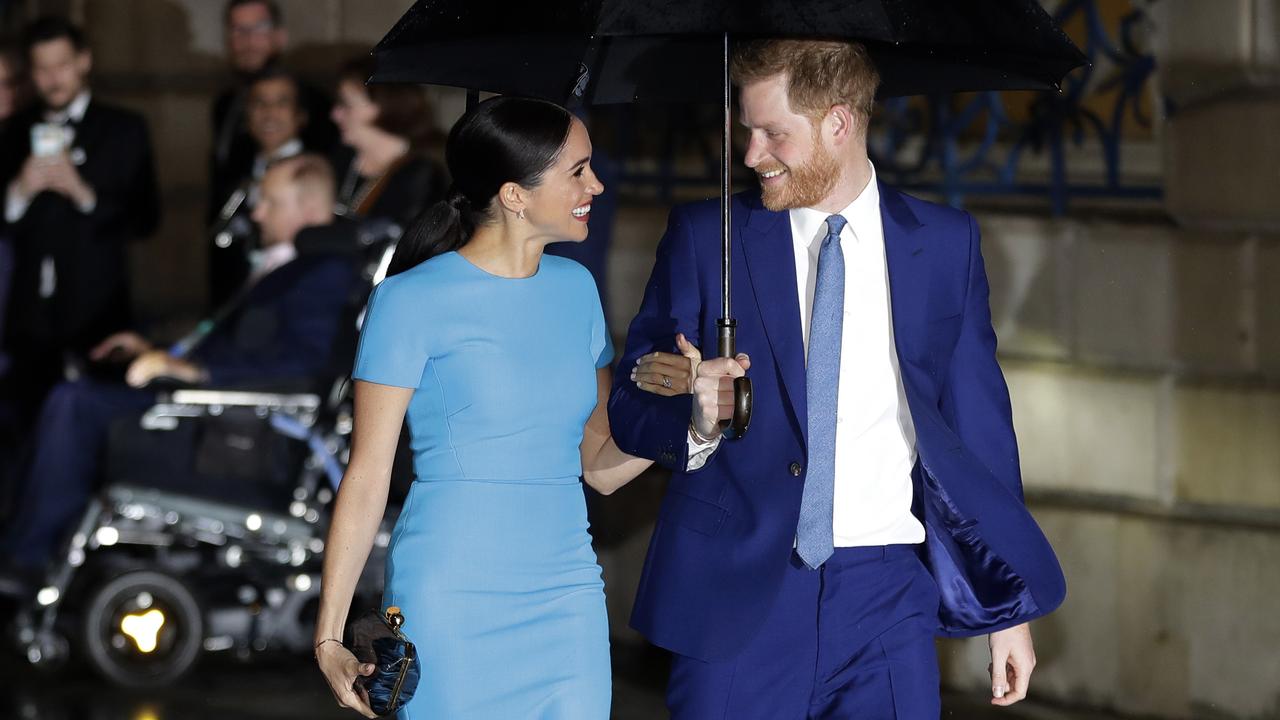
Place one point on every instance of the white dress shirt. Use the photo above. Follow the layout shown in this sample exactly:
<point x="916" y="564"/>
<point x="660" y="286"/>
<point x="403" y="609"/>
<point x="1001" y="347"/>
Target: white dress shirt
<point x="265" y="261"/>
<point x="262" y="161"/>
<point x="73" y="112"/>
<point x="875" y="437"/>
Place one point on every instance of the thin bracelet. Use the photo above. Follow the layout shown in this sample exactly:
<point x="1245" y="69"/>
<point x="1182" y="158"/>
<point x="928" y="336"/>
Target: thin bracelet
<point x="316" y="649"/>
<point x="698" y="437"/>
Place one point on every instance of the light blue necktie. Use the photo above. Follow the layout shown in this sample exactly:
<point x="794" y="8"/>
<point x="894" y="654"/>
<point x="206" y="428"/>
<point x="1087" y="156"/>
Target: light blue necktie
<point x="814" y="541"/>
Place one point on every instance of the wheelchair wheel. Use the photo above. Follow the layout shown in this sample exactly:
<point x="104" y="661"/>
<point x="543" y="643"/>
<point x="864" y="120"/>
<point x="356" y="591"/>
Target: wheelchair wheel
<point x="143" y="629"/>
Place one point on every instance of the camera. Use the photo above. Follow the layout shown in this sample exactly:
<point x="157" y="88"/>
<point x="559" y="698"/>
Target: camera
<point x="50" y="139"/>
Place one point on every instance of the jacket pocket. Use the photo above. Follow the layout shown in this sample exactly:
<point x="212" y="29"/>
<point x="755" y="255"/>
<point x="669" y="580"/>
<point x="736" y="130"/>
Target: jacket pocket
<point x="697" y="515"/>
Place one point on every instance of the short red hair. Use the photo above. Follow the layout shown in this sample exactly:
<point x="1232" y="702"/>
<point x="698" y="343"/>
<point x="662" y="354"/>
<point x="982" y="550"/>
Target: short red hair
<point x="819" y="73"/>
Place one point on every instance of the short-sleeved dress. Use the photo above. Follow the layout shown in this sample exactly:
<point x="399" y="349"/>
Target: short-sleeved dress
<point x="490" y="560"/>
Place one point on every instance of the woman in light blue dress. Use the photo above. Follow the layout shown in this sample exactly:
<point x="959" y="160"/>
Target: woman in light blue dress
<point x="499" y="354"/>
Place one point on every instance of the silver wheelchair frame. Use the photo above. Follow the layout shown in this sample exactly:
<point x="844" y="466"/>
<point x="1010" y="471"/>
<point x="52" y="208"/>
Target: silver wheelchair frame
<point x="167" y="536"/>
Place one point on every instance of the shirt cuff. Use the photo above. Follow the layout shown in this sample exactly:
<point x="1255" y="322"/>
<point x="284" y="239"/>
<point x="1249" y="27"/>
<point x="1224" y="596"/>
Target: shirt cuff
<point x="89" y="207"/>
<point x="700" y="452"/>
<point x="15" y="205"/>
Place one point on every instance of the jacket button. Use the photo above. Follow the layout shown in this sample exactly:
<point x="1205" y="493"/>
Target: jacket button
<point x="796" y="469"/>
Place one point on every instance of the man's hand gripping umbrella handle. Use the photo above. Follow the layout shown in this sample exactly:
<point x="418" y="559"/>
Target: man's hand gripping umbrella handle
<point x="735" y="427"/>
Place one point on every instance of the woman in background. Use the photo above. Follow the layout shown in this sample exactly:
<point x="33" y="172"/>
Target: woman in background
<point x="390" y="133"/>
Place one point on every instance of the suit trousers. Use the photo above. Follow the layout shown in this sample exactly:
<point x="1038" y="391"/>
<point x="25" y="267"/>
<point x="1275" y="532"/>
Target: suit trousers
<point x="852" y="639"/>
<point x="70" y="437"/>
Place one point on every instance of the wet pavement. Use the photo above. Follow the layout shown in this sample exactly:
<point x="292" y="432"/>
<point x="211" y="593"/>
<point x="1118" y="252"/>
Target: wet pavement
<point x="288" y="688"/>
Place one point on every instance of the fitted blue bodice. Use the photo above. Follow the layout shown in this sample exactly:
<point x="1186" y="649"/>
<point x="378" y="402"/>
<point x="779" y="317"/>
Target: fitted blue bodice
<point x="503" y="368"/>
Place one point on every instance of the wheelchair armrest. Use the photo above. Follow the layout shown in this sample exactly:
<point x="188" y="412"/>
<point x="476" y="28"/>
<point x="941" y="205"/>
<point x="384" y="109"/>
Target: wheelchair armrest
<point x="247" y="398"/>
<point x="164" y="414"/>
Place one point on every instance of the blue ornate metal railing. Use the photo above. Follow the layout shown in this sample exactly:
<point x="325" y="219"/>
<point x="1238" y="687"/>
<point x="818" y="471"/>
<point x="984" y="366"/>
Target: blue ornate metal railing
<point x="973" y="148"/>
<point x="958" y="147"/>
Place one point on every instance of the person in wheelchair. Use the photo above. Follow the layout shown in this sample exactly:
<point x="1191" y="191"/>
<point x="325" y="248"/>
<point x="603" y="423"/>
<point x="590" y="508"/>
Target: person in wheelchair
<point x="277" y="331"/>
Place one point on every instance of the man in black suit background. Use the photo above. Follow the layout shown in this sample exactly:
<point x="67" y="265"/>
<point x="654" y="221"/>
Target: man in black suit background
<point x="80" y="184"/>
<point x="255" y="40"/>
<point x="276" y="121"/>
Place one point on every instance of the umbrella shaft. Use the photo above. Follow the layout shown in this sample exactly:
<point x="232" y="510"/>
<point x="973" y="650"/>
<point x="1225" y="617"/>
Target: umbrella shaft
<point x="727" y="337"/>
<point x="726" y="155"/>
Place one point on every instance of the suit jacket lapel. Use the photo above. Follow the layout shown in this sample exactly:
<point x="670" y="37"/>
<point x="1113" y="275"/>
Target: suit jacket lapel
<point x="771" y="263"/>
<point x="765" y="238"/>
<point x="907" y="268"/>
<point x="87" y="131"/>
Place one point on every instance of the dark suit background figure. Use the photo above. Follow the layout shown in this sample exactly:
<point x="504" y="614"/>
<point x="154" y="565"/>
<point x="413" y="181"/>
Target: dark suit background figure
<point x="281" y="333"/>
<point x="276" y="120"/>
<point x="233" y="149"/>
<point x="91" y="298"/>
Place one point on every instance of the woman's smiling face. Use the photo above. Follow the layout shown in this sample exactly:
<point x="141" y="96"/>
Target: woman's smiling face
<point x="561" y="203"/>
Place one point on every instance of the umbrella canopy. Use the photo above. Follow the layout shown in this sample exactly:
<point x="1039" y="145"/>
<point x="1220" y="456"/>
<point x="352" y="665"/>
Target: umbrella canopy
<point x="619" y="51"/>
<point x="622" y="51"/>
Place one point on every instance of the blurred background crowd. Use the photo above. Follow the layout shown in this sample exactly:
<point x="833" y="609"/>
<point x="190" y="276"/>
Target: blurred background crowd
<point x="1131" y="234"/>
<point x="76" y="165"/>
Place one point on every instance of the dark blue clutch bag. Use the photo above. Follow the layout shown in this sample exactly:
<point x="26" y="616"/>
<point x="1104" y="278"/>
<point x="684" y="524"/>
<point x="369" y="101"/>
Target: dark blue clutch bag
<point x="377" y="639"/>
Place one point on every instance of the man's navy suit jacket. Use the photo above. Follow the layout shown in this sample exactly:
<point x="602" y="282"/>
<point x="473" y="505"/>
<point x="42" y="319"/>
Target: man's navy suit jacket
<point x="725" y="533"/>
<point x="285" y="327"/>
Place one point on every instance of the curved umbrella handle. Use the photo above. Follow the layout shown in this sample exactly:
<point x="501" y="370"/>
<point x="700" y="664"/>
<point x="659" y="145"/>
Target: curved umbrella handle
<point x="735" y="427"/>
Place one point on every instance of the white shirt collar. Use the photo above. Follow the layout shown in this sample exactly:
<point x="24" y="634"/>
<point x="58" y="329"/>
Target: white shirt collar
<point x="269" y="259"/>
<point x="73" y="112"/>
<point x="809" y="225"/>
<point x="287" y="150"/>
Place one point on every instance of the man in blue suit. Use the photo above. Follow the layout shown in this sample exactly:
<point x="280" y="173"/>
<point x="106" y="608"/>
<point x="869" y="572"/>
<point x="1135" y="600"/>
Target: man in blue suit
<point x="804" y="570"/>
<point x="279" y="330"/>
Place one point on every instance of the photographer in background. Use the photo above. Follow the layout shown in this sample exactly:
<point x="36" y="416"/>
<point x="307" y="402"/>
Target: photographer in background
<point x="79" y="184"/>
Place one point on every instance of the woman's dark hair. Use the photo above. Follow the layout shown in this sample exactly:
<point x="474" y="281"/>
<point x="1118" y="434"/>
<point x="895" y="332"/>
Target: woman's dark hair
<point x="403" y="108"/>
<point x="501" y="140"/>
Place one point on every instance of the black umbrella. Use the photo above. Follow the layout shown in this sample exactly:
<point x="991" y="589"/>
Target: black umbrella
<point x="622" y="51"/>
<point x="618" y="51"/>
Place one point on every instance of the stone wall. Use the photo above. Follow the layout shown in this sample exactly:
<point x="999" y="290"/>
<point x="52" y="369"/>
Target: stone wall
<point x="1165" y="617"/>
<point x="1142" y="365"/>
<point x="1220" y="66"/>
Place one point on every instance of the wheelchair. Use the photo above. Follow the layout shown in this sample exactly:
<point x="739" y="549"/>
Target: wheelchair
<point x="208" y="535"/>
